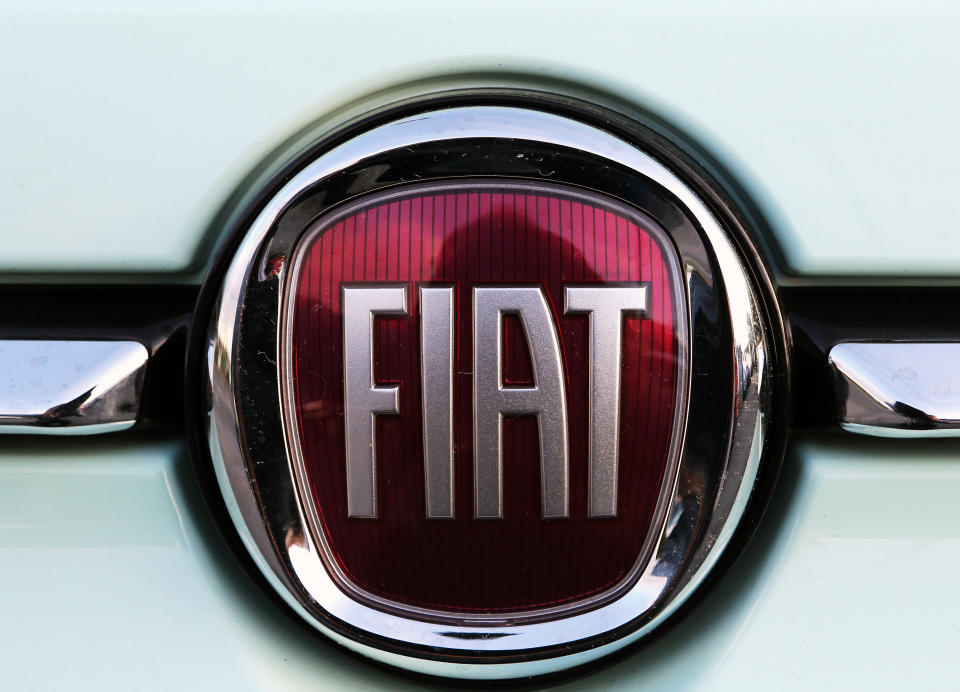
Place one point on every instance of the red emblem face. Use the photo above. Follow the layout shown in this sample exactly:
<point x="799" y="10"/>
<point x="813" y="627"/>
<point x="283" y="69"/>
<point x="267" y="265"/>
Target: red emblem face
<point x="485" y="380"/>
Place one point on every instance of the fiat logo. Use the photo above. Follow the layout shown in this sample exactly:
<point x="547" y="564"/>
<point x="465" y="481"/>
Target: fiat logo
<point x="488" y="389"/>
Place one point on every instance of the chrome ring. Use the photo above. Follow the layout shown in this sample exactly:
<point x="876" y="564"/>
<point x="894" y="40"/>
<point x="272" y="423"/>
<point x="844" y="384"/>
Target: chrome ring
<point x="293" y="562"/>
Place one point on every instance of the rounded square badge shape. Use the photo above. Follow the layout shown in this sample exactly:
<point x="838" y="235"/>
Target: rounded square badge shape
<point x="485" y="392"/>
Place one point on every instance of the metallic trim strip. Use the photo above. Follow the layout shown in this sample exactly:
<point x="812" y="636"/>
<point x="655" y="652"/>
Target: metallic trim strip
<point x="52" y="387"/>
<point x="897" y="389"/>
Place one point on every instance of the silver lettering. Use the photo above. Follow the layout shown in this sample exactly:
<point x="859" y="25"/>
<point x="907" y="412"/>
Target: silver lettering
<point x="363" y="399"/>
<point x="436" y="363"/>
<point x="605" y="307"/>
<point x="547" y="399"/>
<point x="493" y="400"/>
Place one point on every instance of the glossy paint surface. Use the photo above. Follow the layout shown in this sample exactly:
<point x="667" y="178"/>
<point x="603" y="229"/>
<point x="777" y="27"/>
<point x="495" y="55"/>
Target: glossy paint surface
<point x="113" y="573"/>
<point x="838" y="116"/>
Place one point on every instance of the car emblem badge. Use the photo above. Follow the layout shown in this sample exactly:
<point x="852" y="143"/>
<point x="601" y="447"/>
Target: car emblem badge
<point x="487" y="388"/>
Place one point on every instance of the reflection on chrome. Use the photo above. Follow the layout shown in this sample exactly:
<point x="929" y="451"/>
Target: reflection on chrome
<point x="54" y="387"/>
<point x="898" y="389"/>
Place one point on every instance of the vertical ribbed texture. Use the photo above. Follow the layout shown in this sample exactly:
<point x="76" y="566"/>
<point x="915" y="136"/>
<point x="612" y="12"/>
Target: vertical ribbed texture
<point x="466" y="238"/>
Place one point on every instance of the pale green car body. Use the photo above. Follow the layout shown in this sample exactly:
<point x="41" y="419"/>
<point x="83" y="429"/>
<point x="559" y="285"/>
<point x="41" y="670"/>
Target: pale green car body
<point x="128" y="126"/>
